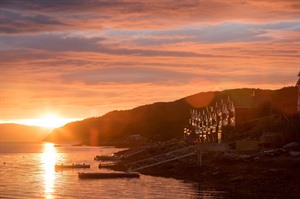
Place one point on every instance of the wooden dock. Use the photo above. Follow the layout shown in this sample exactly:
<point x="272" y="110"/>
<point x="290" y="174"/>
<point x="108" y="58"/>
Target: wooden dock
<point x="107" y="164"/>
<point x="108" y="175"/>
<point x="197" y="149"/>
<point x="72" y="166"/>
<point x="107" y="158"/>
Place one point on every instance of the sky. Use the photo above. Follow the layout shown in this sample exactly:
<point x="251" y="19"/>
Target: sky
<point x="80" y="59"/>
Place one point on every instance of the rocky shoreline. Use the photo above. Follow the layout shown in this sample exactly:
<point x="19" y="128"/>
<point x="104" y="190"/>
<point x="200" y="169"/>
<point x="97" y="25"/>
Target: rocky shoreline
<point x="271" y="174"/>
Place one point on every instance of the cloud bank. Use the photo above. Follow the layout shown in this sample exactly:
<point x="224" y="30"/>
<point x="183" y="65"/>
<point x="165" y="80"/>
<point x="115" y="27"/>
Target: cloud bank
<point x="84" y="58"/>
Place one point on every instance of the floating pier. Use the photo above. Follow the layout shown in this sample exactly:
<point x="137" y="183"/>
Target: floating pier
<point x="107" y="158"/>
<point x="107" y="164"/>
<point x="72" y="166"/>
<point x="108" y="175"/>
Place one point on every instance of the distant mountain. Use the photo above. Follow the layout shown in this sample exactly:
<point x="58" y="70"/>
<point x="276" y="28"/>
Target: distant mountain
<point x="165" y="120"/>
<point x="21" y="133"/>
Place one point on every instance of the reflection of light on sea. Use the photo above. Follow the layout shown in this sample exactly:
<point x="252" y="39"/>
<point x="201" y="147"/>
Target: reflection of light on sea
<point x="49" y="158"/>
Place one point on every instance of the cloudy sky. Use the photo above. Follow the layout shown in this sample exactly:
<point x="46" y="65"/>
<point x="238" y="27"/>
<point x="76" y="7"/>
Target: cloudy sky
<point x="80" y="59"/>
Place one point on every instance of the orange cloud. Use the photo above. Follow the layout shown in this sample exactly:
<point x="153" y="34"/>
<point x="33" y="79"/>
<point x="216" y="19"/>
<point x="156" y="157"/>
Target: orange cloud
<point x="37" y="16"/>
<point x="85" y="59"/>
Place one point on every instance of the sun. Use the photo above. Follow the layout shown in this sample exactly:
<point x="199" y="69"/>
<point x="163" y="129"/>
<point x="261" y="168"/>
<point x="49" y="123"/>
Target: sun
<point x="48" y="120"/>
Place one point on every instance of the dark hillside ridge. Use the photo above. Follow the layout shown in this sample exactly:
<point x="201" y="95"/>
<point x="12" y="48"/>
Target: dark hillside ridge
<point x="166" y="120"/>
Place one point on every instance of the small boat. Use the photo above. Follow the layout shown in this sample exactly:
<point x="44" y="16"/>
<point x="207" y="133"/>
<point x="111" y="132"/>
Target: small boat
<point x="57" y="145"/>
<point x="107" y="158"/>
<point x="108" y="175"/>
<point x="108" y="164"/>
<point x="72" y="166"/>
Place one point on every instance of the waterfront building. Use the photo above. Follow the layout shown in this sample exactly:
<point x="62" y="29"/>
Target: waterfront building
<point x="207" y="124"/>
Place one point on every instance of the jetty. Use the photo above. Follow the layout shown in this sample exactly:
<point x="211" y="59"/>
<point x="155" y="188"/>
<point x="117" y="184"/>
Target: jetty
<point x="197" y="150"/>
<point x="108" y="175"/>
<point x="107" y="158"/>
<point x="72" y="166"/>
<point x="107" y="164"/>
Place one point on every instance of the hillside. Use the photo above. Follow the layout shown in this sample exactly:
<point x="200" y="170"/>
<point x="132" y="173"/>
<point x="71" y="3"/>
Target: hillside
<point x="21" y="133"/>
<point x="165" y="120"/>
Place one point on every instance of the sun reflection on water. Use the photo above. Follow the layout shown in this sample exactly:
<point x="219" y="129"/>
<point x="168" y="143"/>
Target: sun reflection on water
<point x="49" y="157"/>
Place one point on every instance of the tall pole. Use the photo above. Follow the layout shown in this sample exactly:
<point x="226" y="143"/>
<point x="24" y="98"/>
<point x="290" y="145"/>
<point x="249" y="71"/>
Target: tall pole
<point x="298" y="85"/>
<point x="199" y="154"/>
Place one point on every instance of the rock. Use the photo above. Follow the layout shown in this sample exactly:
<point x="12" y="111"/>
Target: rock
<point x="237" y="178"/>
<point x="230" y="156"/>
<point x="274" y="152"/>
<point x="204" y="174"/>
<point x="244" y="156"/>
<point x="273" y="170"/>
<point x="269" y="152"/>
<point x="291" y="145"/>
<point x="294" y="153"/>
<point x="215" y="173"/>
<point x="283" y="150"/>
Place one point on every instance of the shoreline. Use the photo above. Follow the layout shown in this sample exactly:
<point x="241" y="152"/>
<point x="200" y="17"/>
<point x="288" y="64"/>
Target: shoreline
<point x="266" y="176"/>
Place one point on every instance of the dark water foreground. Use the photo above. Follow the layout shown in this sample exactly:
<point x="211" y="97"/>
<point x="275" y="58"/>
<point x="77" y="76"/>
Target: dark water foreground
<point x="27" y="171"/>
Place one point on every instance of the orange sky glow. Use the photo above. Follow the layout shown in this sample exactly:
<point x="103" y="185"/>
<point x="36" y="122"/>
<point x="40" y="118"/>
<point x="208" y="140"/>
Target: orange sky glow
<point x="81" y="59"/>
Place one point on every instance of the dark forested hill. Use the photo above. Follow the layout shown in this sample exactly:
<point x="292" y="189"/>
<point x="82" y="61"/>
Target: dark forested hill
<point x="163" y="120"/>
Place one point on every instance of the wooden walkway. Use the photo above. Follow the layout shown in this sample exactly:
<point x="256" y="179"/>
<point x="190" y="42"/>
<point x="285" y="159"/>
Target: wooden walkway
<point x="176" y="154"/>
<point x="135" y="152"/>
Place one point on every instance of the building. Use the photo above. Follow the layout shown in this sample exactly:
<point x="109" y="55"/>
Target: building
<point x="208" y="124"/>
<point x="205" y="125"/>
<point x="253" y="107"/>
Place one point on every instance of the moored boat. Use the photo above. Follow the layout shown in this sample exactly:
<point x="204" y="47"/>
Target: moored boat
<point x="107" y="158"/>
<point x="108" y="164"/>
<point x="108" y="175"/>
<point x="72" y="166"/>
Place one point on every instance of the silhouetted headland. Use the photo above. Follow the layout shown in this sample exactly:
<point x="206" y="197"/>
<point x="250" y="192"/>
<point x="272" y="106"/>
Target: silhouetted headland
<point x="163" y="121"/>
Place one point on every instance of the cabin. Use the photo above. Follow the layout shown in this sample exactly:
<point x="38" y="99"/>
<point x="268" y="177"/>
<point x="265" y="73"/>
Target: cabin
<point x="257" y="105"/>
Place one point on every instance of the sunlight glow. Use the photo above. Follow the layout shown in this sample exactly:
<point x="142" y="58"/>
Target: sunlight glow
<point x="47" y="121"/>
<point x="50" y="120"/>
<point x="49" y="158"/>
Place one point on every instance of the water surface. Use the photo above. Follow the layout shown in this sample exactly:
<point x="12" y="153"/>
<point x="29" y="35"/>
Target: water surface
<point x="27" y="171"/>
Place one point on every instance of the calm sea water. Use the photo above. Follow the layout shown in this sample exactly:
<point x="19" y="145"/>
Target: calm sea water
<point x="27" y="171"/>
